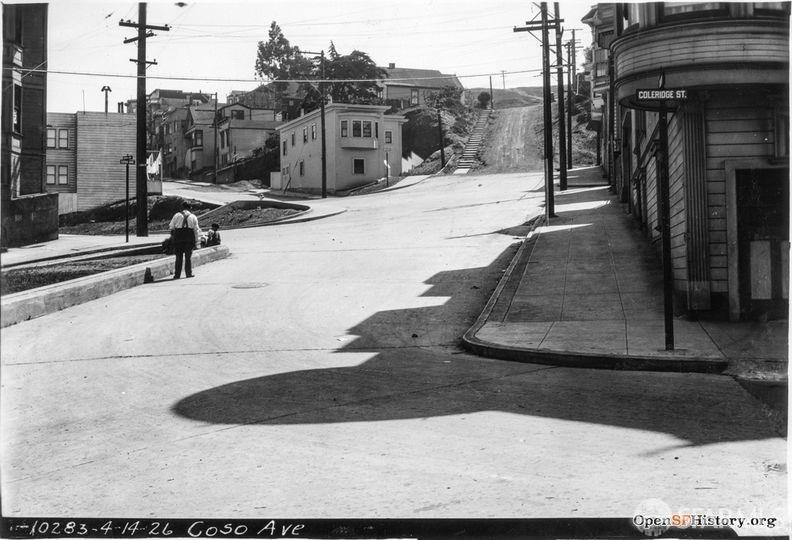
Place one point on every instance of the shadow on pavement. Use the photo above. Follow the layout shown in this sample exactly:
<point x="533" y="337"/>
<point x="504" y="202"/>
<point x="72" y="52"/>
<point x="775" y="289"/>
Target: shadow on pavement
<point x="417" y="372"/>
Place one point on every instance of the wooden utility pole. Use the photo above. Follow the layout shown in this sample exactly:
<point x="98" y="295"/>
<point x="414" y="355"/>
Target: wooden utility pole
<point x="324" y="144"/>
<point x="141" y="193"/>
<point x="548" y="117"/>
<point x="543" y="27"/>
<point x="492" y="95"/>
<point x="322" y="119"/>
<point x="141" y="176"/>
<point x="574" y="61"/>
<point x="440" y="135"/>
<point x="216" y="148"/>
<point x="562" y="149"/>
<point x="569" y="47"/>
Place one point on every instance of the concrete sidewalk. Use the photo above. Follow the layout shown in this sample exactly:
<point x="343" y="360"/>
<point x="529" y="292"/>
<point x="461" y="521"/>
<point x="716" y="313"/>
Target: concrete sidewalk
<point x="586" y="290"/>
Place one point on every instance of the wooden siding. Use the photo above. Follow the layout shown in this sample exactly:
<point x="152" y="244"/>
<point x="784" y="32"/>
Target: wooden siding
<point x="651" y="200"/>
<point x="63" y="156"/>
<point x="310" y="153"/>
<point x="101" y="142"/>
<point x="737" y="127"/>
<point x="690" y="45"/>
<point x="394" y="149"/>
<point x="676" y="185"/>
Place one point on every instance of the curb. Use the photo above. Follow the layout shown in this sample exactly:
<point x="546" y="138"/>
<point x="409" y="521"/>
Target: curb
<point x="300" y="218"/>
<point x="241" y="204"/>
<point x="550" y="357"/>
<point x="26" y="305"/>
<point x="54" y="258"/>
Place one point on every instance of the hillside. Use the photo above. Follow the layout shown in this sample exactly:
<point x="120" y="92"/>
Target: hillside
<point x="514" y="141"/>
<point x="523" y="96"/>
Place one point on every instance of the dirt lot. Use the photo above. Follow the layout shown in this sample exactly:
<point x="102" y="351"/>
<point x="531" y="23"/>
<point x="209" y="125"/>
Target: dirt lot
<point x="512" y="144"/>
<point x="229" y="217"/>
<point x="111" y="219"/>
<point x="515" y="138"/>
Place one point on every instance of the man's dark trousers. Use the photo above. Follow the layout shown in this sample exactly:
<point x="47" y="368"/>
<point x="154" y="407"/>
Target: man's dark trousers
<point x="186" y="251"/>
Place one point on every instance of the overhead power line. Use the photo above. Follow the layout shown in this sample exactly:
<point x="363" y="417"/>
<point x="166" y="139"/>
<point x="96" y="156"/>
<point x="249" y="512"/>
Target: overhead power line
<point x="262" y="81"/>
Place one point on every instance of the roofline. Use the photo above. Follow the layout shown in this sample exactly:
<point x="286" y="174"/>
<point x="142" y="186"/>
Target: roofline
<point x="243" y="105"/>
<point x="335" y="106"/>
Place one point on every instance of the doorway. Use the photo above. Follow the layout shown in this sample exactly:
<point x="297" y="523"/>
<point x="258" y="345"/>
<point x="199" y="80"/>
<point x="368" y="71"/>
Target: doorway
<point x="762" y="197"/>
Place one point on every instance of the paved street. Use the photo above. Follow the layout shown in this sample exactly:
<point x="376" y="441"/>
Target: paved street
<point x="317" y="373"/>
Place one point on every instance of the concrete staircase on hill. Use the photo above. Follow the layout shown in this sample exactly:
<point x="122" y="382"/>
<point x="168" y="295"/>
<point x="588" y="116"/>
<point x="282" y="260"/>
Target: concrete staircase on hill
<point x="469" y="157"/>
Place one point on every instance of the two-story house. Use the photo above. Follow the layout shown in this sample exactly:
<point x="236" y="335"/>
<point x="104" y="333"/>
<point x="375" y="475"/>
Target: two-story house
<point x="200" y="135"/>
<point x="61" y="161"/>
<point x="83" y="166"/>
<point x="161" y="102"/>
<point x="242" y="129"/>
<point x="406" y="87"/>
<point x="363" y="144"/>
<point x="174" y="144"/>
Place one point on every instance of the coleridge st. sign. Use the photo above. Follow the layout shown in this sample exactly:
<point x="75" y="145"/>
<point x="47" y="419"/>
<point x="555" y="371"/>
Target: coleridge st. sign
<point x="663" y="93"/>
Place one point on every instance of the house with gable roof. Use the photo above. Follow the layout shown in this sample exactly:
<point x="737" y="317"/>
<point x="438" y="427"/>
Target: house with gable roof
<point x="200" y="136"/>
<point x="407" y="87"/>
<point x="242" y="129"/>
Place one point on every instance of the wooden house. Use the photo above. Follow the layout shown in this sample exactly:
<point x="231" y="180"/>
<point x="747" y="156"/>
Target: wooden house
<point x="83" y="166"/>
<point x="363" y="144"/>
<point x="407" y="87"/>
<point x="728" y="146"/>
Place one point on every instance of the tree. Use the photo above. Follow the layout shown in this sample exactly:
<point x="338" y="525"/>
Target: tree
<point x="357" y="74"/>
<point x="355" y="66"/>
<point x="277" y="59"/>
<point x="419" y="134"/>
<point x="332" y="53"/>
<point x="447" y="98"/>
<point x="484" y="98"/>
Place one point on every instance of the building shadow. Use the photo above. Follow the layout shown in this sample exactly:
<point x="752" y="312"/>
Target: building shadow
<point x="416" y="370"/>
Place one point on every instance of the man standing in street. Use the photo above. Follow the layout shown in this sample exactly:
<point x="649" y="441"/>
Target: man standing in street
<point x="185" y="235"/>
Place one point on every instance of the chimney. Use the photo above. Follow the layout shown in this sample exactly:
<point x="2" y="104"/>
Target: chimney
<point x="391" y="66"/>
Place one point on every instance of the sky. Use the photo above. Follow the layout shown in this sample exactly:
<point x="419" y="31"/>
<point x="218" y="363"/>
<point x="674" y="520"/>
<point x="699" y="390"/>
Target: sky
<point x="218" y="40"/>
